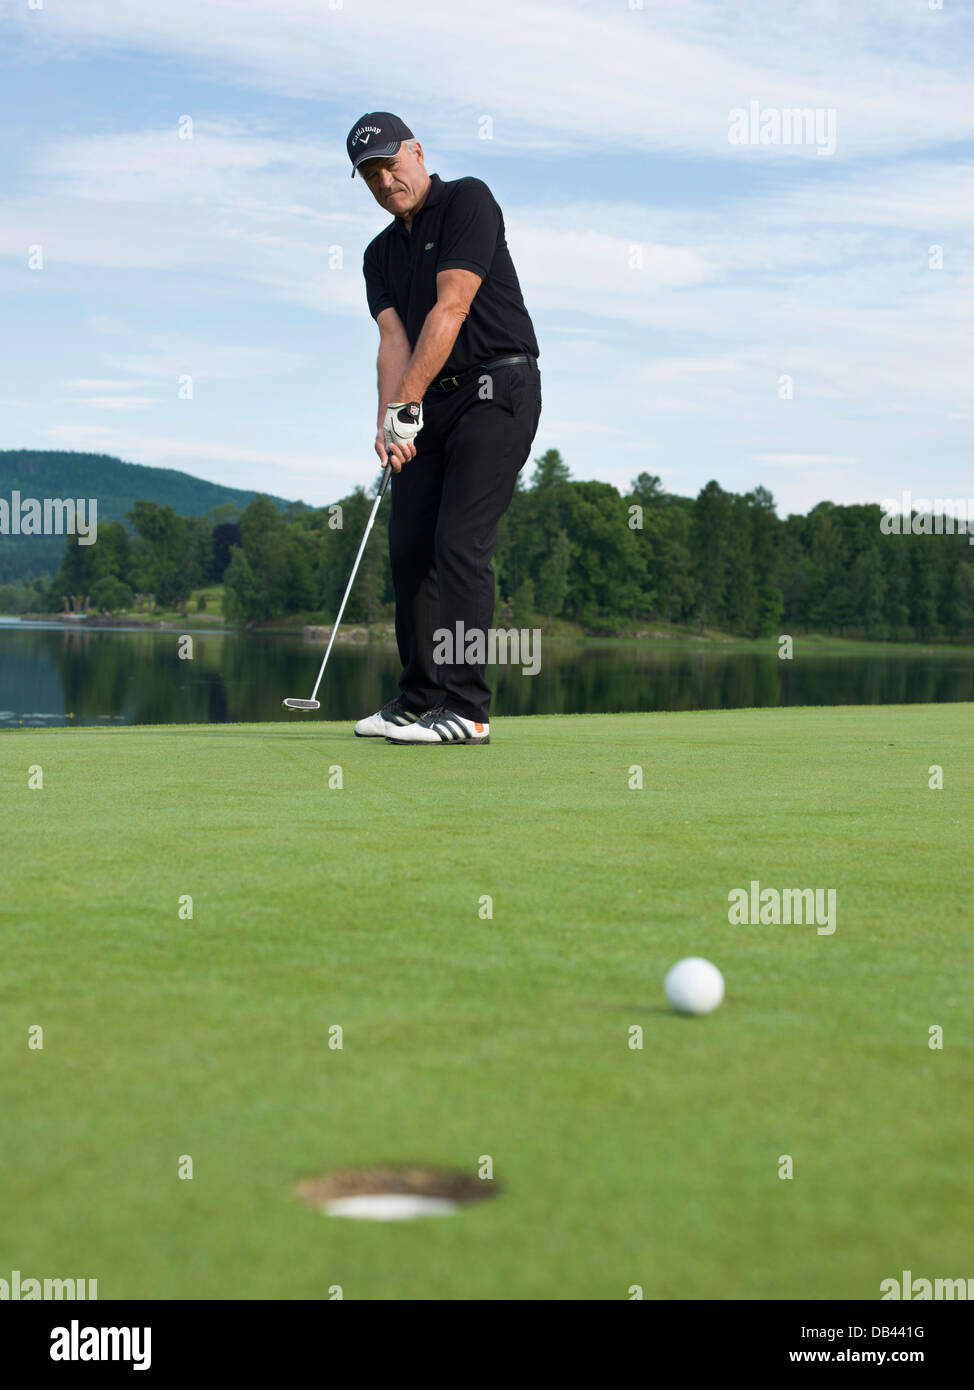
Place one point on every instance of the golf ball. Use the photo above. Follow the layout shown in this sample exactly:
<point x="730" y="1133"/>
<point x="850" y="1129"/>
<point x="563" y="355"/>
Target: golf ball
<point x="694" y="986"/>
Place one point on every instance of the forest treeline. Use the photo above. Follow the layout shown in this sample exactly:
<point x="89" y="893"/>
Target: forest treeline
<point x="577" y="551"/>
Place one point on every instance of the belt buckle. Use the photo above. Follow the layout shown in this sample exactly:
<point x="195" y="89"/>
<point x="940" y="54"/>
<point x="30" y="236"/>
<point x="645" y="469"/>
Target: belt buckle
<point x="448" y="383"/>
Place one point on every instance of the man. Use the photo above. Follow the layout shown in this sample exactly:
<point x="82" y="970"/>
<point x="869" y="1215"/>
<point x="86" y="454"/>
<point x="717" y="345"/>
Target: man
<point x="459" y="404"/>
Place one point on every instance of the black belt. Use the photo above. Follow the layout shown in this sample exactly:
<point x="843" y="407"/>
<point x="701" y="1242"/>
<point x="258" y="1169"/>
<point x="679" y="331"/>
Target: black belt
<point x="450" y="383"/>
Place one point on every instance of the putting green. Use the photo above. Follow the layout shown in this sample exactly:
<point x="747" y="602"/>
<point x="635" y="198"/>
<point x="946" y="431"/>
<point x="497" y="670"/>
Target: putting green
<point x="466" y="1036"/>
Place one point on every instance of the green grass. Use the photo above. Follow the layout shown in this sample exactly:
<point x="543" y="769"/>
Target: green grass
<point x="161" y="614"/>
<point x="508" y="1037"/>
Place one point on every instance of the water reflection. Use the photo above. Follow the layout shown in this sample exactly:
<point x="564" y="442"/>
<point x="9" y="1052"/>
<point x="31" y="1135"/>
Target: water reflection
<point x="53" y="676"/>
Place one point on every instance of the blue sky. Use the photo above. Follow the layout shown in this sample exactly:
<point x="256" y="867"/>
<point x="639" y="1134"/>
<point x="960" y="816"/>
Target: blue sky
<point x="674" y="277"/>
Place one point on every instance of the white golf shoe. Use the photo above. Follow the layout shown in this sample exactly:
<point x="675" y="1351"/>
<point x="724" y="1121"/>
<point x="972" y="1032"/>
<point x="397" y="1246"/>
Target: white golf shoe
<point x="440" y="725"/>
<point x="390" y="717"/>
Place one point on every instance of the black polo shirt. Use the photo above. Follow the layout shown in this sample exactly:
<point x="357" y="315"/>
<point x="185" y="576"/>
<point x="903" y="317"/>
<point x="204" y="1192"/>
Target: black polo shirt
<point x="460" y="225"/>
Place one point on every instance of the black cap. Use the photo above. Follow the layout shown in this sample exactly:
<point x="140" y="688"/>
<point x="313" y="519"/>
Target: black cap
<point x="376" y="135"/>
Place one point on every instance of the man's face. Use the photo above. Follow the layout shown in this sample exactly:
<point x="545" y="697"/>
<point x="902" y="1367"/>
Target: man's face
<point x="398" y="184"/>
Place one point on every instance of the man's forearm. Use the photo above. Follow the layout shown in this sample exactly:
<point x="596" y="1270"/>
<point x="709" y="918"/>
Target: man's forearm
<point x="439" y="333"/>
<point x="393" y="361"/>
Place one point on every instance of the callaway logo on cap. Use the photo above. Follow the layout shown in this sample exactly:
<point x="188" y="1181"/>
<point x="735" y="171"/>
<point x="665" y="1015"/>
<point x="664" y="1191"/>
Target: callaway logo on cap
<point x="376" y="135"/>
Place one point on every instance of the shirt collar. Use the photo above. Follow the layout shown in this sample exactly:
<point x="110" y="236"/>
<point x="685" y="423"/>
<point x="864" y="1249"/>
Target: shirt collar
<point x="434" y="195"/>
<point x="435" y="191"/>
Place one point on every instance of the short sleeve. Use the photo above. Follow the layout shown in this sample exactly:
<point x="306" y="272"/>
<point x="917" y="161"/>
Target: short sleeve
<point x="376" y="289"/>
<point x="469" y="231"/>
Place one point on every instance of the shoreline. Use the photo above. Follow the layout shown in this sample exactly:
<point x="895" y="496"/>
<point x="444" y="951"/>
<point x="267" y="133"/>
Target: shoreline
<point x="383" y="633"/>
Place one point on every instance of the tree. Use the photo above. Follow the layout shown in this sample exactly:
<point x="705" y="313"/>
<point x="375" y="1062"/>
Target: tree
<point x="769" y="600"/>
<point x="963" y="615"/>
<point x="923" y="597"/>
<point x="710" y="544"/>
<point x="77" y="573"/>
<point x="552" y="587"/>
<point x="957" y="589"/>
<point x="112" y="555"/>
<point x="226" y="534"/>
<point x="244" y="599"/>
<point x="199" y="551"/>
<point x="337" y="550"/>
<point x="608" y="577"/>
<point x="11" y="598"/>
<point x="672" y="567"/>
<point x="550" y="470"/>
<point x="524" y="605"/>
<point x="829" y="602"/>
<point x="263" y="535"/>
<point x="740" y="595"/>
<point x="163" y="562"/>
<point x="647" y="489"/>
<point x="897" y="574"/>
<point x="111" y="596"/>
<point x="302" y="587"/>
<point x="869" y="592"/>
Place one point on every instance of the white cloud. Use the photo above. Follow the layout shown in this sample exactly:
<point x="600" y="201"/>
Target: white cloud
<point x="100" y="384"/>
<point x="167" y="357"/>
<point x="112" y="402"/>
<point x="556" y="79"/>
<point x="805" y="460"/>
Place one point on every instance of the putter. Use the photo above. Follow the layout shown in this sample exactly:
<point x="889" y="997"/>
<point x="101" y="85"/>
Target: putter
<point x="314" y="703"/>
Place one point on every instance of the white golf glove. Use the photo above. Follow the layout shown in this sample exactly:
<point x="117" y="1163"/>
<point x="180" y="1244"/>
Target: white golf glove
<point x="403" y="422"/>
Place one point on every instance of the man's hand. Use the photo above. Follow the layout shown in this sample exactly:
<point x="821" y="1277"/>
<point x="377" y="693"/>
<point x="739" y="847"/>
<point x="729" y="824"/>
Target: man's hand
<point x="396" y="454"/>
<point x="403" y="422"/>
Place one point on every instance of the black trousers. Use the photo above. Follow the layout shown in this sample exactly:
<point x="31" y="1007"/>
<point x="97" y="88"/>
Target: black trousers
<point x="447" y="503"/>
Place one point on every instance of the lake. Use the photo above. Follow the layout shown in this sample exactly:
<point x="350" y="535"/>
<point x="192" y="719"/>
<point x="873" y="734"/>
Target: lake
<point x="103" y="676"/>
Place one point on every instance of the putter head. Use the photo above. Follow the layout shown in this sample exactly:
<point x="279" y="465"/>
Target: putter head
<point x="302" y="704"/>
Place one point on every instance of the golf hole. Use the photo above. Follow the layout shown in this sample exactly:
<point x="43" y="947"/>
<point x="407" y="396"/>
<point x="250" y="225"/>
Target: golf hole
<point x="392" y="1194"/>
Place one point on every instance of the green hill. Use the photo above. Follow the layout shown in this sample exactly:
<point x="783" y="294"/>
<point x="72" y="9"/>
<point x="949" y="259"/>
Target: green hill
<point x="116" y="485"/>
